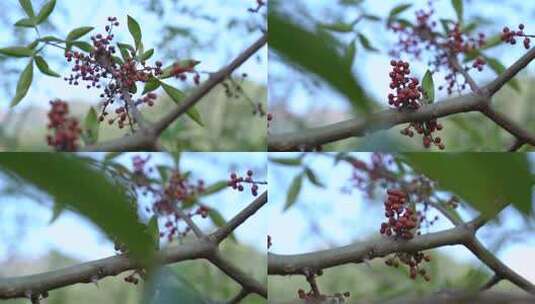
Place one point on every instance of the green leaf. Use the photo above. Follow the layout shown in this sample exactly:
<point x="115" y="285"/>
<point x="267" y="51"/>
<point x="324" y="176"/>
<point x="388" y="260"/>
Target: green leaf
<point x="499" y="68"/>
<point x="287" y="161"/>
<point x="177" y="96"/>
<point x="72" y="181"/>
<point x="340" y="27"/>
<point x="135" y="31"/>
<point x="154" y="231"/>
<point x="78" y="33"/>
<point x="45" y="11"/>
<point x="366" y="43"/>
<point x="429" y="87"/>
<point x="42" y="65"/>
<point x="151" y="85"/>
<point x="91" y="126"/>
<point x="147" y="55"/>
<point x="164" y="173"/>
<point x="33" y="45"/>
<point x="313" y="178"/>
<point x="84" y="46"/>
<point x="25" y="22"/>
<point x="398" y="10"/>
<point x="322" y="58"/>
<point x="24" y="83"/>
<point x="215" y="187"/>
<point x="57" y="210"/>
<point x="350" y="54"/>
<point x="50" y="38"/>
<point x="458" y="7"/>
<point x="293" y="192"/>
<point x="17" y="51"/>
<point x="487" y="181"/>
<point x="27" y="7"/>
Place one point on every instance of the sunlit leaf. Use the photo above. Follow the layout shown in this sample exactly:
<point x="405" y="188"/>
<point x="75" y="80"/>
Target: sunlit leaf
<point x="429" y="87"/>
<point x="135" y="31"/>
<point x="79" y="32"/>
<point x="312" y="177"/>
<point x="27" y="7"/>
<point x="42" y="65"/>
<point x="24" y="83"/>
<point x="366" y="43"/>
<point x="25" y="22"/>
<point x="17" y="51"/>
<point x="45" y="11"/>
<point x="91" y="126"/>
<point x="151" y="85"/>
<point x="459" y="10"/>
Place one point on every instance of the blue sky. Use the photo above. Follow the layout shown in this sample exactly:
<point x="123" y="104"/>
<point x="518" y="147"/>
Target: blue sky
<point x="372" y="68"/>
<point x="74" y="236"/>
<point x="71" y="14"/>
<point x="345" y="218"/>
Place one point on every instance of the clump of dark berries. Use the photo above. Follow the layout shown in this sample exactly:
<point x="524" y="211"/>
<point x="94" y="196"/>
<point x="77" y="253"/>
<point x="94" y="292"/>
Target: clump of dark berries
<point x="408" y="95"/>
<point x="65" y="129"/>
<point x="401" y="218"/>
<point x="236" y="182"/>
<point x="408" y="92"/>
<point x="510" y="36"/>
<point x="99" y="69"/>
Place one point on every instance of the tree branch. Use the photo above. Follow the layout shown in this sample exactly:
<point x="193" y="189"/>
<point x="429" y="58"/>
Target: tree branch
<point x="241" y="217"/>
<point x="237" y="275"/>
<point x="510" y="126"/>
<point x="93" y="271"/>
<point x="361" y="251"/>
<point x="146" y="140"/>
<point x="381" y="120"/>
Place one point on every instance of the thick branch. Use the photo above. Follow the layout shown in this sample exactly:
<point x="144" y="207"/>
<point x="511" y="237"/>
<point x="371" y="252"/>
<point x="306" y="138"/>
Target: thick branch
<point x="95" y="270"/>
<point x="378" y="121"/>
<point x="241" y="217"/>
<point x="511" y="72"/>
<point x="499" y="268"/>
<point x="510" y="126"/>
<point x="147" y="139"/>
<point x="245" y="280"/>
<point x="361" y="251"/>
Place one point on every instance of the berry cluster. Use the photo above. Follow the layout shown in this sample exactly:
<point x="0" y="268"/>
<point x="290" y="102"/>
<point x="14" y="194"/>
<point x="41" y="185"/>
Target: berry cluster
<point x="413" y="40"/>
<point x="66" y="129"/>
<point x="100" y="65"/>
<point x="408" y="94"/>
<point x="508" y="36"/>
<point x="177" y="192"/>
<point x="401" y="218"/>
<point x="408" y="91"/>
<point x="236" y="182"/>
<point x="413" y="260"/>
